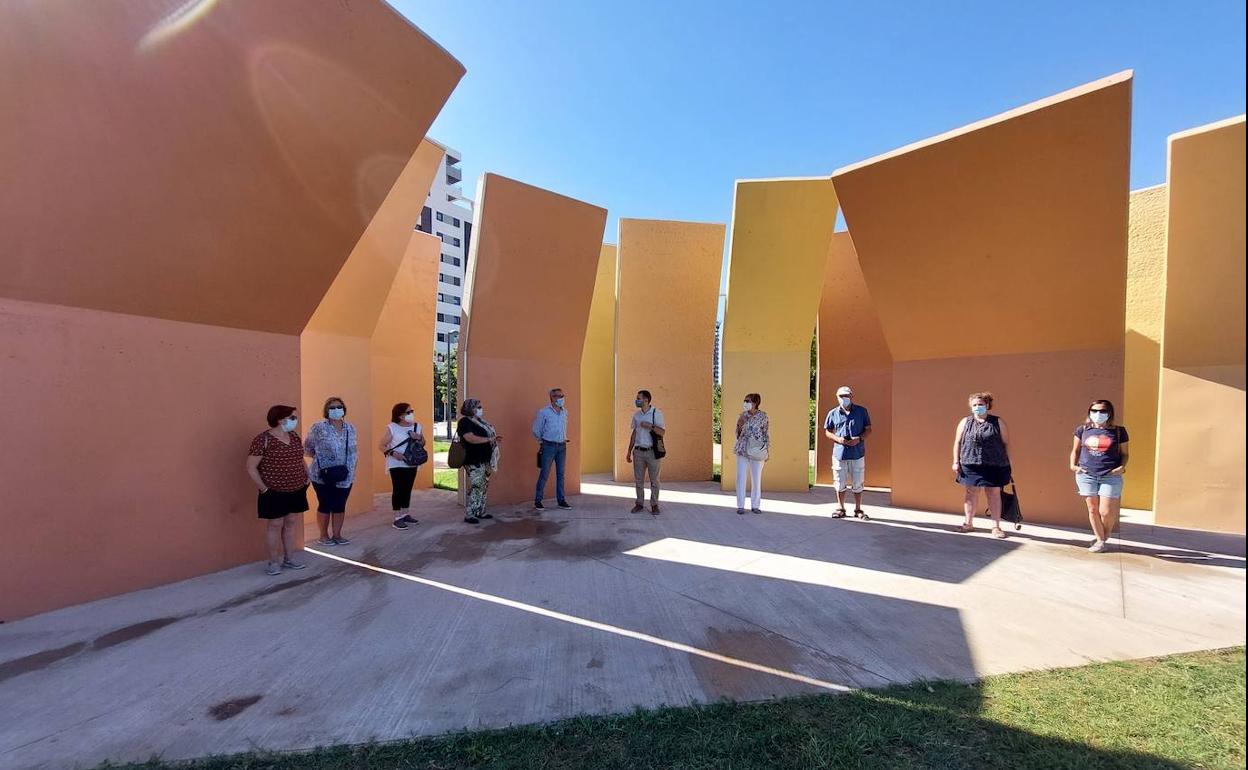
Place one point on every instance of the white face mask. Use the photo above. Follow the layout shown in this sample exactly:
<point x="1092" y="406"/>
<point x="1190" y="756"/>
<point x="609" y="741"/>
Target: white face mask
<point x="1100" y="418"/>
<point x="748" y="406"/>
<point x="409" y="417"/>
<point x="289" y="424"/>
<point x="337" y="413"/>
<point x="479" y="413"/>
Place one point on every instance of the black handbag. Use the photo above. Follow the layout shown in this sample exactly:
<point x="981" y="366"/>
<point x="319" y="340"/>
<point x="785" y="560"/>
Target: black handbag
<point x="414" y="452"/>
<point x="656" y="441"/>
<point x="1010" y="510"/>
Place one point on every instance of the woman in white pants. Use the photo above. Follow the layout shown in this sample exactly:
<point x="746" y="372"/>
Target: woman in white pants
<point x="753" y="443"/>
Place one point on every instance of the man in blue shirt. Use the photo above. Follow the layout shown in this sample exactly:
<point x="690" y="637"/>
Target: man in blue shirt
<point x="847" y="425"/>
<point x="550" y="428"/>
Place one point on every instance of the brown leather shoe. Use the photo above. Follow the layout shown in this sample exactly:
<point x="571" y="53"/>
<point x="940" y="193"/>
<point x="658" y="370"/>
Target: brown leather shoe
<point x="637" y="509"/>
<point x="654" y="509"/>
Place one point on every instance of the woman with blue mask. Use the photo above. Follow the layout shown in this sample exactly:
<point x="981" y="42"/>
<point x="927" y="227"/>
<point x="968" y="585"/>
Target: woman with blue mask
<point x="1098" y="458"/>
<point x="334" y="448"/>
<point x="981" y="460"/>
<point x="275" y="465"/>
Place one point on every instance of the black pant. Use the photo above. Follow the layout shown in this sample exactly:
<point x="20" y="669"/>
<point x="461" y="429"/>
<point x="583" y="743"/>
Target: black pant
<point x="402" y="479"/>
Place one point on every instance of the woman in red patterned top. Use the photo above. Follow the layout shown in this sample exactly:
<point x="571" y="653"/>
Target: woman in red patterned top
<point x="275" y="464"/>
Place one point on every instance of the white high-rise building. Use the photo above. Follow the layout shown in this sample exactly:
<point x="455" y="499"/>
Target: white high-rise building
<point x="447" y="215"/>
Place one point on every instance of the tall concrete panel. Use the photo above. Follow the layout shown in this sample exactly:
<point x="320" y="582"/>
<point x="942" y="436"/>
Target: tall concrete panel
<point x="401" y="354"/>
<point x="179" y="192"/>
<point x="779" y="247"/>
<point x="526" y="308"/>
<point x="667" y="292"/>
<point x="597" y="405"/>
<point x="1146" y="301"/>
<point x="336" y="346"/>
<point x="853" y="351"/>
<point x="1200" y="437"/>
<point x="996" y="258"/>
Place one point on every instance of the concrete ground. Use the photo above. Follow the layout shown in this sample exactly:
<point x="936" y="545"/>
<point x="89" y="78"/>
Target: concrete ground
<point x="524" y="619"/>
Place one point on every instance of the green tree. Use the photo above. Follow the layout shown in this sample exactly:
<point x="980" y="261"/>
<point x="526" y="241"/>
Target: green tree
<point x="440" y="385"/>
<point x="717" y="411"/>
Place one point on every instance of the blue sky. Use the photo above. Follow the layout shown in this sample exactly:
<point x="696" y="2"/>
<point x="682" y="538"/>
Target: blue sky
<point x="654" y="109"/>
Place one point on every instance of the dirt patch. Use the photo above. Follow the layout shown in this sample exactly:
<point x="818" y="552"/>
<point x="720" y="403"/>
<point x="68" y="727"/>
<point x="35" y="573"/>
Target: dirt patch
<point x="132" y="632"/>
<point x="38" y="661"/>
<point x="724" y="680"/>
<point x="252" y="596"/>
<point x="232" y="708"/>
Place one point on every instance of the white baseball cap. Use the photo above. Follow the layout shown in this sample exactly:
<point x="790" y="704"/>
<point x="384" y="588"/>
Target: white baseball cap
<point x="844" y="390"/>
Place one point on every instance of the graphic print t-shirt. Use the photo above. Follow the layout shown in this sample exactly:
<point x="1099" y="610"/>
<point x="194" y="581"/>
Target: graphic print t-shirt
<point x="1100" y="449"/>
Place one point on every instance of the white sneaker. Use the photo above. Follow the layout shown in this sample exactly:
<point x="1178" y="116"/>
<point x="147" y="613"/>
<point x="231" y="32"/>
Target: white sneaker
<point x="1097" y="547"/>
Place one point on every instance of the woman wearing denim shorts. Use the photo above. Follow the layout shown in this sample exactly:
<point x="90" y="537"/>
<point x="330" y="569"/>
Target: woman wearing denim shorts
<point x="1098" y="458"/>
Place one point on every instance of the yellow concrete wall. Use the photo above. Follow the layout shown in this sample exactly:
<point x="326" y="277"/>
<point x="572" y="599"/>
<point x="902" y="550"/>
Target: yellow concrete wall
<point x="667" y="293"/>
<point x="401" y="352"/>
<point x="335" y="347"/>
<point x="978" y="248"/>
<point x="1200" y="437"/>
<point x="597" y="405"/>
<point x="1146" y="299"/>
<point x="530" y="282"/>
<point x="853" y="352"/>
<point x="779" y="247"/>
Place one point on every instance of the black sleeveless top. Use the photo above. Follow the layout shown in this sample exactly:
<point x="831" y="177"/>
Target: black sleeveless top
<point x="982" y="443"/>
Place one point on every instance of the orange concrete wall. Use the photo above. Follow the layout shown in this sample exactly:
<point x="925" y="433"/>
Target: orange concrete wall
<point x="1200" y="456"/>
<point x="1146" y="302"/>
<point x="780" y="234"/>
<point x="526" y="307"/>
<point x="977" y="247"/>
<point x="853" y="352"/>
<point x="401" y="353"/>
<point x="131" y="435"/>
<point x="217" y="174"/>
<point x="597" y="405"/>
<point x="228" y="171"/>
<point x="335" y="347"/>
<point x="668" y="288"/>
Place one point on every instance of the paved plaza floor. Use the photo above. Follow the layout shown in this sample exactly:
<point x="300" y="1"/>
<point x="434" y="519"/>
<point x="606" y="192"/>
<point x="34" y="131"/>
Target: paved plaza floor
<point x="526" y="619"/>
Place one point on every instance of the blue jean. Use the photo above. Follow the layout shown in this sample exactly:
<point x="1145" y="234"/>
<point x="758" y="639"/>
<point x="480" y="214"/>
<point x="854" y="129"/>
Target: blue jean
<point x="551" y="453"/>
<point x="1107" y="485"/>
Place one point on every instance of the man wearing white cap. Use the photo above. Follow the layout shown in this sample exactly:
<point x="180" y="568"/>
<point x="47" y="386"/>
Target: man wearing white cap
<point x="847" y="425"/>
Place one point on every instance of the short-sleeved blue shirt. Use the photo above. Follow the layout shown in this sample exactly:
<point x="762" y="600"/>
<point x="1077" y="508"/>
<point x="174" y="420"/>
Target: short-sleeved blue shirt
<point x="849" y="425"/>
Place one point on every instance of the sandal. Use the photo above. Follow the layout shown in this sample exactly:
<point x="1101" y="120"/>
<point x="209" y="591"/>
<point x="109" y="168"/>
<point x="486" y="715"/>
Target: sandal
<point x="861" y="514"/>
<point x="998" y="533"/>
<point x="966" y="528"/>
<point x="839" y="513"/>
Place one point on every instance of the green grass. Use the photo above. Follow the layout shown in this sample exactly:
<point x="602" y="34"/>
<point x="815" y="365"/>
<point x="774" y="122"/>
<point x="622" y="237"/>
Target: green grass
<point x="1180" y="711"/>
<point x="446" y="478"/>
<point x="441" y="446"/>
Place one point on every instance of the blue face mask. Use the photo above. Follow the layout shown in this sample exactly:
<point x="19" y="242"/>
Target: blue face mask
<point x="979" y="410"/>
<point x="637" y="403"/>
<point x="479" y="413"/>
<point x="290" y="424"/>
<point x="1100" y="418"/>
<point x="559" y="402"/>
<point x="337" y="413"/>
<point x="846" y="401"/>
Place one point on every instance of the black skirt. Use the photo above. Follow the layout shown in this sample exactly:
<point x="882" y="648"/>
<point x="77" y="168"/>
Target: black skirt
<point x="274" y="504"/>
<point x="985" y="475"/>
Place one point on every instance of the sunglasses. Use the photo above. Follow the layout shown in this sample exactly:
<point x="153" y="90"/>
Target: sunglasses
<point x="1099" y="411"/>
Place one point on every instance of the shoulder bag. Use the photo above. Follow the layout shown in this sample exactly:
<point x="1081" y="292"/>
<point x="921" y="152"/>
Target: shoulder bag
<point x="457" y="454"/>
<point x="656" y="441"/>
